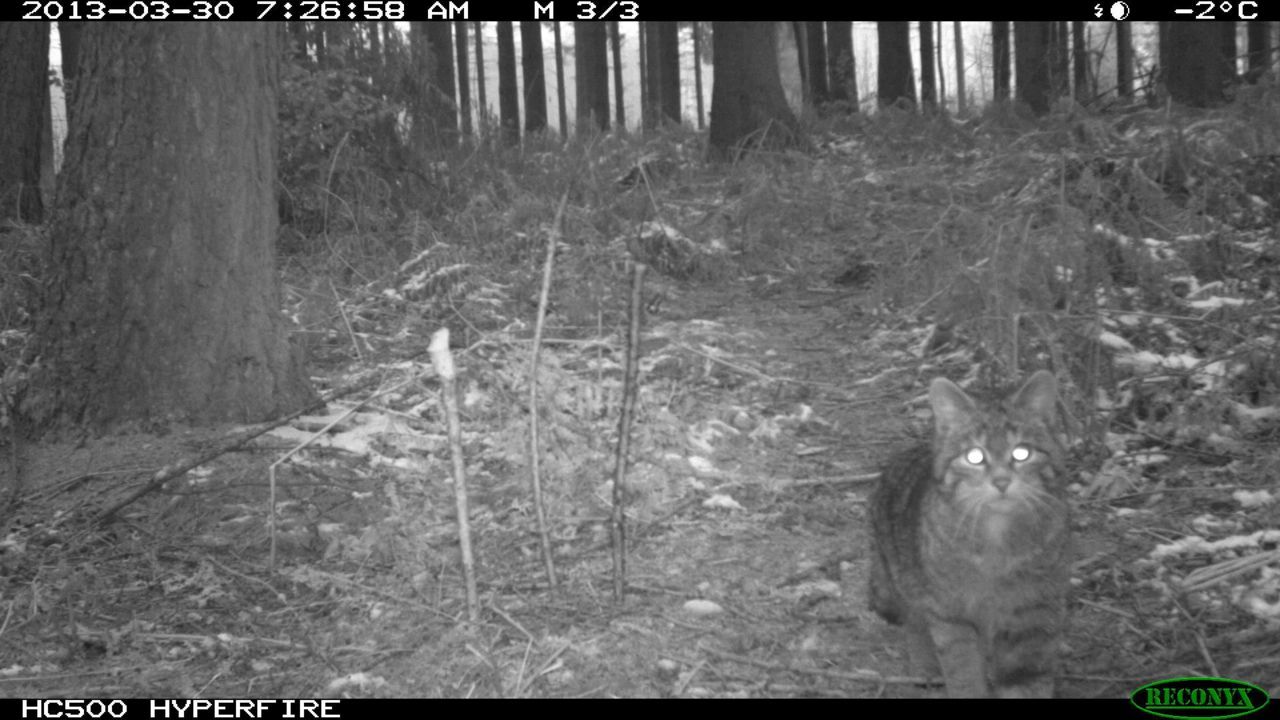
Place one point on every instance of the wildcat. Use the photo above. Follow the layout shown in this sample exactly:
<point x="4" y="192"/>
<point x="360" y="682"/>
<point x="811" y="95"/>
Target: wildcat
<point x="969" y="542"/>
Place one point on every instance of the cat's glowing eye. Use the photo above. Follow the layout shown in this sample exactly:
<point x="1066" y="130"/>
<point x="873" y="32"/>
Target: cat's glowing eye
<point x="1021" y="453"/>
<point x="975" y="456"/>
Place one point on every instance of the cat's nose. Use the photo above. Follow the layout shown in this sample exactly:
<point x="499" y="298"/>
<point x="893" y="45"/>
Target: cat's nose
<point x="1001" y="481"/>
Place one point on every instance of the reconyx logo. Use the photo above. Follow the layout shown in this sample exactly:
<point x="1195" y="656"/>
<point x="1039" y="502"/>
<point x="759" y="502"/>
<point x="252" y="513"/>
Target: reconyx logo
<point x="1199" y="698"/>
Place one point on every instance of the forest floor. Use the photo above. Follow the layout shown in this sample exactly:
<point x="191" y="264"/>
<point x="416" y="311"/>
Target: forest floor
<point x="775" y="377"/>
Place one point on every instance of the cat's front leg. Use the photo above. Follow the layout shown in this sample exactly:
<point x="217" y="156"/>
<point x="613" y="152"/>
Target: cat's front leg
<point x="960" y="653"/>
<point x="1024" y="662"/>
<point x="922" y="656"/>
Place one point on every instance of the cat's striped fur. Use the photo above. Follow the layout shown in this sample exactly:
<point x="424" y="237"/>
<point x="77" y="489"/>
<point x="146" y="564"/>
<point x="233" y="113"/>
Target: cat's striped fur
<point x="970" y="542"/>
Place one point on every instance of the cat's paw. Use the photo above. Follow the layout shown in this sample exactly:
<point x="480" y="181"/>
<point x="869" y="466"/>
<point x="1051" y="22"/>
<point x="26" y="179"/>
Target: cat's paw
<point x="1042" y="688"/>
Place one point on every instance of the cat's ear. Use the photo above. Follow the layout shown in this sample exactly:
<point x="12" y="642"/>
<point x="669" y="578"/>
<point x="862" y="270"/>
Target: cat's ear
<point x="952" y="408"/>
<point x="1038" y="397"/>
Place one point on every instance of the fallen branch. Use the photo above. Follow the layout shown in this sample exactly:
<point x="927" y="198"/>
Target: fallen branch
<point x="180" y="468"/>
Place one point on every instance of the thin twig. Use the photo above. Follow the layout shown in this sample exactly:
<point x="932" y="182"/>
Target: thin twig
<point x="540" y="513"/>
<point x="630" y="375"/>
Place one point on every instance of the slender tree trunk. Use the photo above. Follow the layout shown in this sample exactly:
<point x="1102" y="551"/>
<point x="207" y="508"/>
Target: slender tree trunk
<point x="482" y="101"/>
<point x="464" y="76"/>
<point x="697" y="72"/>
<point x="1229" y="50"/>
<point x="619" y="109"/>
<point x="1259" y="49"/>
<point x="1124" y="59"/>
<point x="928" y="83"/>
<point x="1060" y="64"/>
<point x="297" y="39"/>
<point x="817" y="63"/>
<point x="318" y="42"/>
<point x="560" y="91"/>
<point x="643" y="35"/>
<point x="942" y="75"/>
<point x="961" y="93"/>
<point x="1080" y="63"/>
<point x="375" y="43"/>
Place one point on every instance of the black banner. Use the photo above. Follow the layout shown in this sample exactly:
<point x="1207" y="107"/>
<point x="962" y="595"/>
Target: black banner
<point x="631" y="10"/>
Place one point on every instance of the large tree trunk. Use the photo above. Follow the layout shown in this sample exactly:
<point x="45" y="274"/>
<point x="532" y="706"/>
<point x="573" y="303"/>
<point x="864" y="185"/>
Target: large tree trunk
<point x="535" y="84"/>
<point x="24" y="101"/>
<point x="1060" y="60"/>
<point x="662" y="83"/>
<point x="1034" y="58"/>
<point x="440" y="42"/>
<point x="748" y="107"/>
<point x="1001" y="81"/>
<point x="435" y="109"/>
<point x="592" y="65"/>
<point x="840" y="63"/>
<point x="162" y="300"/>
<point x="1197" y="71"/>
<point x="895" y="78"/>
<point x="669" y="60"/>
<point x="508" y="87"/>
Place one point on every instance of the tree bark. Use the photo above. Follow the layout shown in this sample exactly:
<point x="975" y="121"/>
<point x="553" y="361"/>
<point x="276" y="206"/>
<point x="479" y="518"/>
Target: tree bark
<point x="464" y="76"/>
<point x="748" y="108"/>
<point x="962" y="101"/>
<point x="895" y="77"/>
<point x="535" y="84"/>
<point x="1124" y="59"/>
<point x="508" y="87"/>
<point x="162" y="301"/>
<point x="561" y="99"/>
<point x="1035" y="56"/>
<point x="592" y="65"/>
<point x="819" y="88"/>
<point x="615" y="48"/>
<point x="24" y="102"/>
<point x="928" y="79"/>
<point x="1001" y="80"/>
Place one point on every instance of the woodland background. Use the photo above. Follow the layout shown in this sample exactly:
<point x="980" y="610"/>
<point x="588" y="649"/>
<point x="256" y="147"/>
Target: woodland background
<point x="257" y="223"/>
